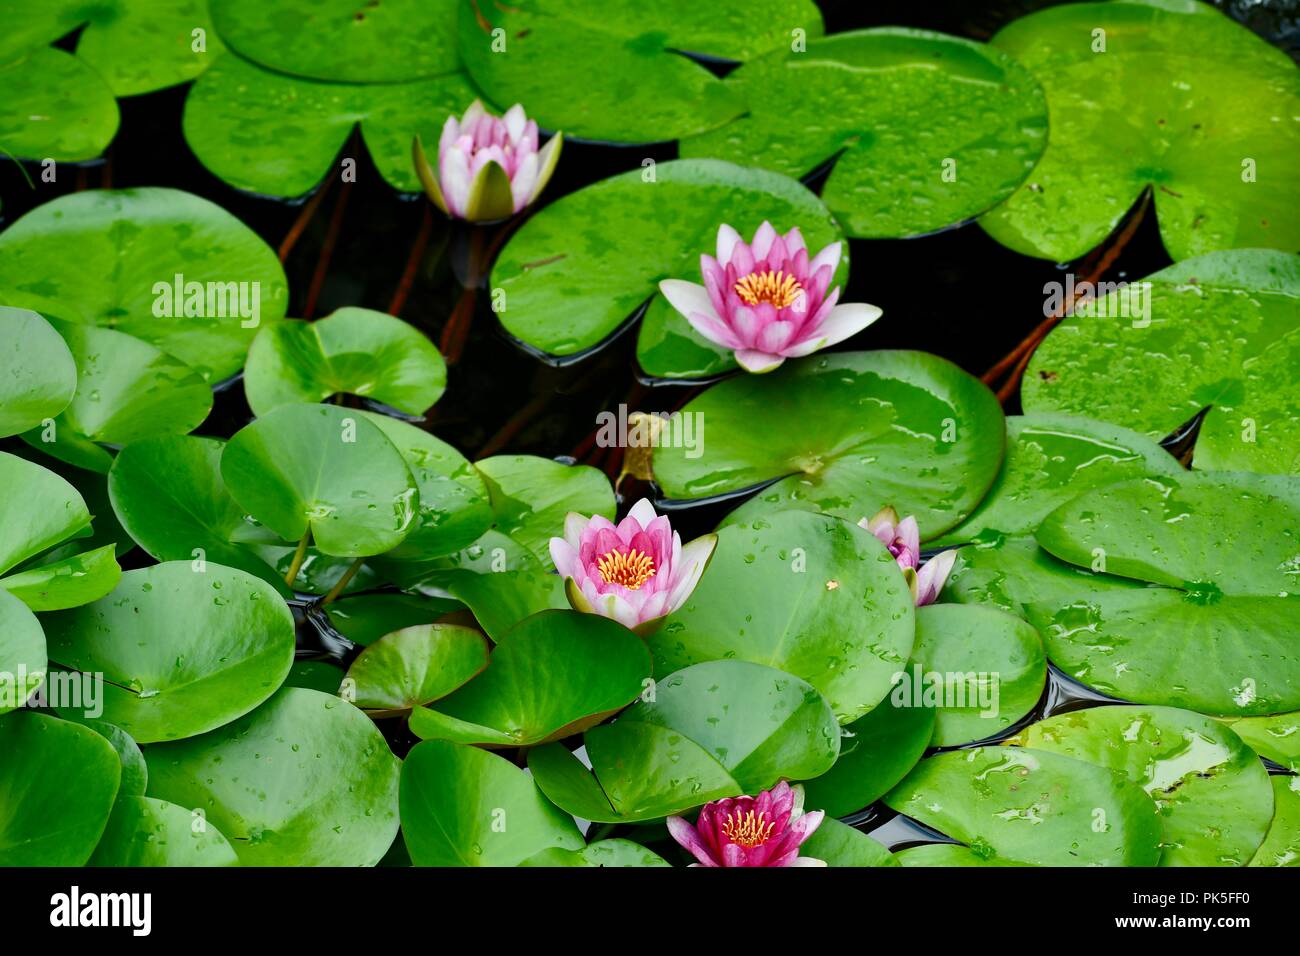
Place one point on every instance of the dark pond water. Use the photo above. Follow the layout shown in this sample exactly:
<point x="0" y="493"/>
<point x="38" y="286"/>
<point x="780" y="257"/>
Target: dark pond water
<point x="955" y="293"/>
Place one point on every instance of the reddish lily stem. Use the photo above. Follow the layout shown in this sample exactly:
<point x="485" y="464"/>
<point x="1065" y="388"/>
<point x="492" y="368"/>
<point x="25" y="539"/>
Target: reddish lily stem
<point x="412" y="262"/>
<point x="300" y="224"/>
<point x="327" y="251"/>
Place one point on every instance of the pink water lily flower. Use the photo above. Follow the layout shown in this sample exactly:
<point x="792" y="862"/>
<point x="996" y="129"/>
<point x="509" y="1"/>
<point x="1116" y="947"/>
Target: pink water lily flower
<point x="903" y="539"/>
<point x="766" y="301"/>
<point x="636" y="572"/>
<point x="489" y="167"/>
<point x="766" y="830"/>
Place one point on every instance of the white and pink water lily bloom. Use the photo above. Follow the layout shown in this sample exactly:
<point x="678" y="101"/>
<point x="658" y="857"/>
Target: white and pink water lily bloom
<point x="636" y="572"/>
<point x="489" y="167"/>
<point x="766" y="300"/>
<point x="903" y="539"/>
<point x="766" y="830"/>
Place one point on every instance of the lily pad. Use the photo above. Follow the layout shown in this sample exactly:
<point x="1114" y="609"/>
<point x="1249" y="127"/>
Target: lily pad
<point x="365" y="618"/>
<point x="947" y="854"/>
<point x="876" y="751"/>
<point x="950" y="123"/>
<point x="838" y="845"/>
<point x="38" y="376"/>
<point x="808" y="594"/>
<point x="1281" y="847"/>
<point x="315" y="675"/>
<point x="1051" y="459"/>
<point x="763" y="725"/>
<point x="350" y="352"/>
<point x="617" y="70"/>
<point x="987" y="666"/>
<point x="46" y="821"/>
<point x="1276" y="737"/>
<point x="135" y="774"/>
<point x="323" y="469"/>
<point x="553" y="675"/>
<point x="331" y="800"/>
<point x="1032" y="806"/>
<point x="1154" y="371"/>
<point x="1146" y="94"/>
<point x="342" y="41"/>
<point x="601" y="853"/>
<point x="462" y="806"/>
<point x="499" y="601"/>
<point x="137" y="46"/>
<point x="131" y="244"/>
<point x="568" y="286"/>
<point x="55" y="107"/>
<point x="42" y="510"/>
<point x="22" y="653"/>
<point x="1211" y="793"/>
<point x="143" y="831"/>
<point x="181" y="652"/>
<point x="846" y="434"/>
<point x="280" y="135"/>
<point x="415" y="666"/>
<point x="168" y="494"/>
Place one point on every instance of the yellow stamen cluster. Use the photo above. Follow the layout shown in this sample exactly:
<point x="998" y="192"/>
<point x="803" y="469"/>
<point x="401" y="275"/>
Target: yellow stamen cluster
<point x="628" y="568"/>
<point x="749" y="830"/>
<point x="775" y="287"/>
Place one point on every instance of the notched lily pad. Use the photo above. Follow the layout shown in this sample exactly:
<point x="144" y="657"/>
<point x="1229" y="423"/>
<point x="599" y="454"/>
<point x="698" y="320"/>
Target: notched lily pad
<point x="415" y="666"/>
<point x="54" y="106"/>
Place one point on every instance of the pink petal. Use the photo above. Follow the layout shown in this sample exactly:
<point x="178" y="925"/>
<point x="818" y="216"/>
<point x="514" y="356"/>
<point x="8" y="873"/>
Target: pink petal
<point x="685" y="834"/>
<point x="727" y="240"/>
<point x="757" y="362"/>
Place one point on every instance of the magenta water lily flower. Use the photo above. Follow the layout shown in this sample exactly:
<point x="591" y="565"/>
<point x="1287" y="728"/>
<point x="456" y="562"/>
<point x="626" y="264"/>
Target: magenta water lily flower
<point x="903" y="539"/>
<point x="766" y="830"/>
<point x="766" y="300"/>
<point x="489" y="167"/>
<point x="636" y="572"/>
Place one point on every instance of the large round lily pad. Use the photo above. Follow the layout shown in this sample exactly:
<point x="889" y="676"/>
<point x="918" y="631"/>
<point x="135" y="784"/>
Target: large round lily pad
<point x="304" y="780"/>
<point x="131" y="244"/>
<point x="414" y="666"/>
<point x="805" y="593"/>
<point x="462" y="806"/>
<point x="838" y="845"/>
<point x="323" y="469"/>
<point x="38" y="376"/>
<point x="352" y="351"/>
<point x="1032" y="806"/>
<point x="1160" y="94"/>
<point x="951" y="124"/>
<point x="1154" y="368"/>
<point x="569" y="284"/>
<point x="54" y="106"/>
<point x="553" y="675"/>
<point x="985" y="667"/>
<point x="47" y="820"/>
<point x="280" y="135"/>
<point x="143" y="831"/>
<point x="846" y="434"/>
<point x="181" y="652"/>
<point x="1210" y="790"/>
<point x="1051" y="459"/>
<point x="617" y="70"/>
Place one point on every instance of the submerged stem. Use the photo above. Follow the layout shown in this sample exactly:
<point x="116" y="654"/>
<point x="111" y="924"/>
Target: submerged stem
<point x="296" y="565"/>
<point x="343" y="582"/>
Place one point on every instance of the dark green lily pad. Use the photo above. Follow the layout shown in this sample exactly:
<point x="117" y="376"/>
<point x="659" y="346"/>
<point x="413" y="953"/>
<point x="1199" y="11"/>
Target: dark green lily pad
<point x="316" y="675"/>
<point x="601" y="853"/>
<point x="46" y="821"/>
<point x="805" y="593"/>
<point x="54" y="106"/>
<point x="553" y="675"/>
<point x="876" y="751"/>
<point x="135" y="773"/>
<point x="323" y="469"/>
<point x="1154" y="377"/>
<point x="349" y="352"/>
<point x="181" y="652"/>
<point x="462" y="806"/>
<point x="38" y="376"/>
<point x="1175" y="83"/>
<point x="763" y="725"/>
<point x="365" y="618"/>
<point x="130" y="242"/>
<point x="988" y="668"/>
<point x="1032" y="806"/>
<point x="838" y="845"/>
<point x="143" y="831"/>
<point x="1211" y="793"/>
<point x="415" y="666"/>
<point x="848" y="434"/>
<point x="1281" y="847"/>
<point x="168" y="494"/>
<point x="500" y="600"/>
<point x="330" y="801"/>
<point x="280" y="135"/>
<point x="953" y="125"/>
<point x="947" y="854"/>
<point x="22" y="653"/>
<point x="343" y="41"/>
<point x="1051" y="459"/>
<point x="568" y="285"/>
<point x="614" y="70"/>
